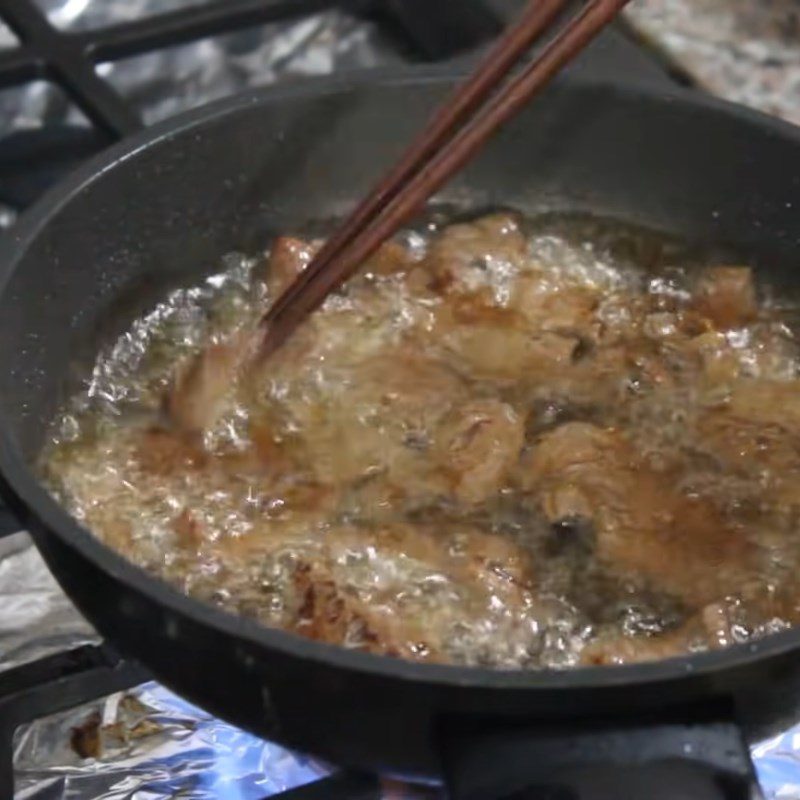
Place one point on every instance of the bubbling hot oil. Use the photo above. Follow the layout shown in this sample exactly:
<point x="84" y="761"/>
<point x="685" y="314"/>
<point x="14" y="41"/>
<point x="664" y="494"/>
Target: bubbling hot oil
<point x="516" y="443"/>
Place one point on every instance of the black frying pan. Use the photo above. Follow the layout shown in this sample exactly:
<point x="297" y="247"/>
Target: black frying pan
<point x="164" y="206"/>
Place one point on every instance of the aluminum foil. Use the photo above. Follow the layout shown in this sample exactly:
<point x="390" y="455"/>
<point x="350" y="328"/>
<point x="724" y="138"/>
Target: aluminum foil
<point x="747" y="51"/>
<point x="148" y="743"/>
<point x="173" y="79"/>
<point x="36" y="618"/>
<point x="220" y="66"/>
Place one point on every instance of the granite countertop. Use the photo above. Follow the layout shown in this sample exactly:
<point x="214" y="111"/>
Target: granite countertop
<point x="747" y="51"/>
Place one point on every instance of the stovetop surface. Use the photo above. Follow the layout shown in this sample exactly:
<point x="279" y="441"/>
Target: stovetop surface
<point x="75" y="720"/>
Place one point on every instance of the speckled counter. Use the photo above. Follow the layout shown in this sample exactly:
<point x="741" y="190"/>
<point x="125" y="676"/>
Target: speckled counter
<point x="745" y="50"/>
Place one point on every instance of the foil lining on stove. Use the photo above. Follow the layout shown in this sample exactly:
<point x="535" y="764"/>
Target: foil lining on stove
<point x="218" y="67"/>
<point x="167" y="81"/>
<point x="36" y="618"/>
<point x="173" y="79"/>
<point x="747" y="51"/>
<point x="148" y="743"/>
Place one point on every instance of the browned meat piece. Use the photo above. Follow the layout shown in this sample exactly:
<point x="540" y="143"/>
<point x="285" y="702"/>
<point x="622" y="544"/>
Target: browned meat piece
<point x="413" y="385"/>
<point x="270" y="451"/>
<point x="749" y="447"/>
<point x="203" y="384"/>
<point x="370" y="425"/>
<point x="288" y="257"/>
<point x="477" y="308"/>
<point x="711" y="628"/>
<point x="310" y="497"/>
<point x="188" y="530"/>
<point x="495" y="564"/>
<point x="476" y="445"/>
<point x="755" y="436"/>
<point x="563" y="464"/>
<point x="643" y="525"/>
<point x="483" y="567"/>
<point x="329" y="614"/>
<point x="727" y="296"/>
<point x="558" y="309"/>
<point x="720" y="362"/>
<point x="619" y="649"/>
<point x="490" y="352"/>
<point x="489" y="342"/>
<point x="759" y="425"/>
<point x="766" y="403"/>
<point x="166" y="453"/>
<point x="390" y="259"/>
<point x="768" y="354"/>
<point x="464" y="257"/>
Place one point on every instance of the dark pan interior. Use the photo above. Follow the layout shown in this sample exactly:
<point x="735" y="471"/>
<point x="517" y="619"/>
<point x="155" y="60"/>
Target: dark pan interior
<point x="162" y="210"/>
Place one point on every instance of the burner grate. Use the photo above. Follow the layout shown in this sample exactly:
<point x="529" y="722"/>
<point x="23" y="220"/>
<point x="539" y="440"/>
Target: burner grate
<point x="429" y="28"/>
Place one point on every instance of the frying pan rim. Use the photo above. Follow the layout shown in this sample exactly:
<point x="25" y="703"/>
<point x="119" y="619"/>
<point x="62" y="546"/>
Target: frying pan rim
<point x="48" y="516"/>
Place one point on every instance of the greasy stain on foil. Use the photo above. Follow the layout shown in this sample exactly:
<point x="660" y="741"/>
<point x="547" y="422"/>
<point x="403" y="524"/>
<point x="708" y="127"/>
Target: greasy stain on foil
<point x="149" y="743"/>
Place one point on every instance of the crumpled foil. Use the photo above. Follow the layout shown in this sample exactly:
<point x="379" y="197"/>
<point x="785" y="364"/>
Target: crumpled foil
<point x="173" y="79"/>
<point x="165" y="82"/>
<point x="747" y="51"/>
<point x="36" y="618"/>
<point x="147" y="743"/>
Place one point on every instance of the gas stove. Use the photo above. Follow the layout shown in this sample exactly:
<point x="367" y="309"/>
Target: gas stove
<point x="77" y="720"/>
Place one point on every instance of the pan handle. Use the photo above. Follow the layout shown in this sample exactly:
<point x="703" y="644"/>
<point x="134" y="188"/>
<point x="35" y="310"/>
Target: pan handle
<point x="599" y="761"/>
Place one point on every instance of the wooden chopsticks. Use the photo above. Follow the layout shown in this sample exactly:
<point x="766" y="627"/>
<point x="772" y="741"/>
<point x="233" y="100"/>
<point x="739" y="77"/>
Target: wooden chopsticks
<point x="453" y="136"/>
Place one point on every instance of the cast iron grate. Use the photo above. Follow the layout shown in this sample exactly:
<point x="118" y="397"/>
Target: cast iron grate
<point x="431" y="29"/>
<point x="31" y="161"/>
